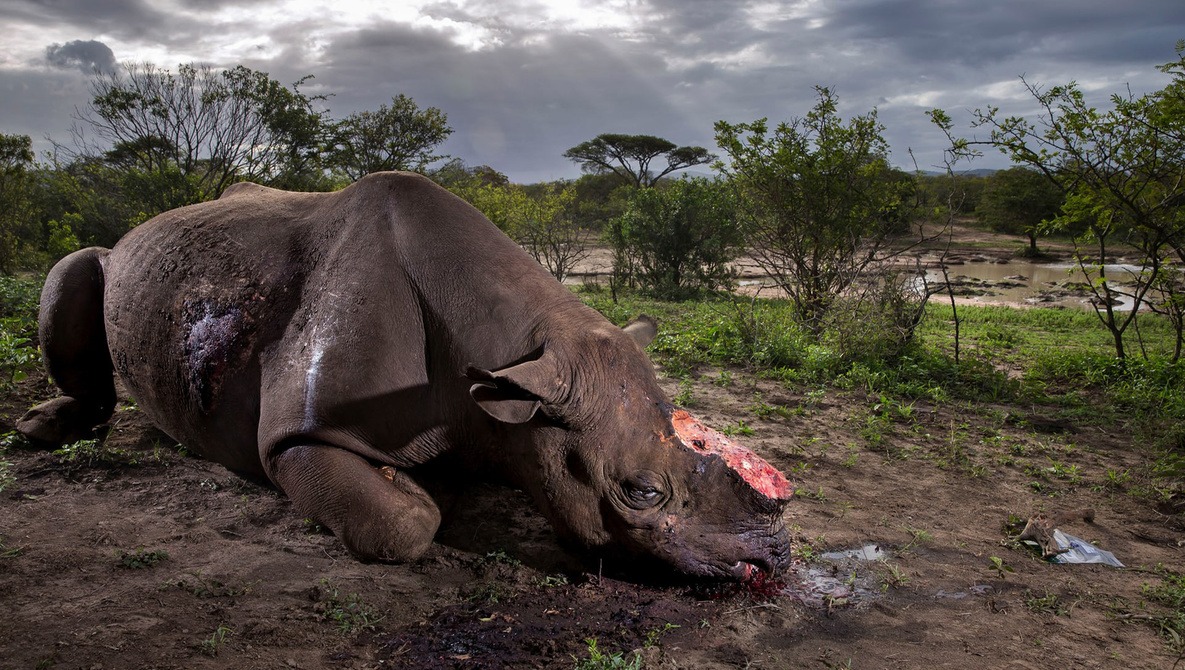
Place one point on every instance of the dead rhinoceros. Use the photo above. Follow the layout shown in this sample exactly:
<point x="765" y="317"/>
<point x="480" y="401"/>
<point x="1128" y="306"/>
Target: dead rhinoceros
<point x="330" y="342"/>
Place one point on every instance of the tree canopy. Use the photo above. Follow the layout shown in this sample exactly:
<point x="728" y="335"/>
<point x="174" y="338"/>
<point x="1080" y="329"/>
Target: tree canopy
<point x="1122" y="172"/>
<point x="1018" y="201"/>
<point x="201" y="128"/>
<point x="818" y="197"/>
<point x="678" y="239"/>
<point x="396" y="137"/>
<point x="630" y="157"/>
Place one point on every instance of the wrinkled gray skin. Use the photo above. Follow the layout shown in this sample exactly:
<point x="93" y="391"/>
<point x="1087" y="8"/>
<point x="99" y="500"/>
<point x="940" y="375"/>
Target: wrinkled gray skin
<point x="330" y="342"/>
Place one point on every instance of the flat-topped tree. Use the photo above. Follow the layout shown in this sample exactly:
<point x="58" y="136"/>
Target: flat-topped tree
<point x="630" y="156"/>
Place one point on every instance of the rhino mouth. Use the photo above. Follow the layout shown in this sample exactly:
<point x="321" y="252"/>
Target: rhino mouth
<point x="771" y="561"/>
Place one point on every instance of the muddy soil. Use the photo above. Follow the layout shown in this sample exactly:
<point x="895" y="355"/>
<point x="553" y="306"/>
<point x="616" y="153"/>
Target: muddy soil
<point x="141" y="556"/>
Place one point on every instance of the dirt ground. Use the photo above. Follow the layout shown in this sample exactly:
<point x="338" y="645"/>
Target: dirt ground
<point x="144" y="557"/>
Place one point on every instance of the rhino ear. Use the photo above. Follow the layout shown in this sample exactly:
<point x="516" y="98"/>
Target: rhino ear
<point x="643" y="329"/>
<point x="513" y="394"/>
<point x="504" y="406"/>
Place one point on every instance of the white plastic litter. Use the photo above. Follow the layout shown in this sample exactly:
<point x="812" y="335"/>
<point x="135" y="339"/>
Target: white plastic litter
<point x="1081" y="551"/>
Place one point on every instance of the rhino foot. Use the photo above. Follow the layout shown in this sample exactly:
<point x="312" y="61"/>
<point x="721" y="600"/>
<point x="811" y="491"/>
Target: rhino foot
<point x="59" y="421"/>
<point x="379" y="514"/>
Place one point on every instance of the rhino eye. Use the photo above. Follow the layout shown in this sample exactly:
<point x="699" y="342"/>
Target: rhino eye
<point x="642" y="492"/>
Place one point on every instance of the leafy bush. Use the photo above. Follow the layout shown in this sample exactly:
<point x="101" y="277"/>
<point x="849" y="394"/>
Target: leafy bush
<point x="677" y="240"/>
<point x="18" y="326"/>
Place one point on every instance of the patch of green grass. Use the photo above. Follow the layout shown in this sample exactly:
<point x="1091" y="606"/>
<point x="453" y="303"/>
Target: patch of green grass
<point x="1047" y="603"/>
<point x="892" y="576"/>
<point x="685" y="397"/>
<point x="92" y="453"/>
<point x="489" y="592"/>
<point x="655" y="634"/>
<point x="347" y="611"/>
<point x="201" y="586"/>
<point x="500" y="557"/>
<point x="1061" y="359"/>
<point x="741" y="428"/>
<point x="17" y="357"/>
<point x="1169" y="593"/>
<point x="600" y="660"/>
<point x="917" y="537"/>
<point x="212" y="644"/>
<point x="9" y="552"/>
<point x="7" y="479"/>
<point x="141" y="558"/>
<point x="552" y="581"/>
<point x="19" y="298"/>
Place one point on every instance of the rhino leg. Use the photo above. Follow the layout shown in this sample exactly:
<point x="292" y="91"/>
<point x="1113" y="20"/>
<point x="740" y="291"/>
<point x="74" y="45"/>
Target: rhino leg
<point x="378" y="514"/>
<point x="74" y="344"/>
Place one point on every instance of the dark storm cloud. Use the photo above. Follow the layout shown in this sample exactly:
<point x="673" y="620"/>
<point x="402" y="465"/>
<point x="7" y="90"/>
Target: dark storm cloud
<point x="86" y="55"/>
<point x="1081" y="30"/>
<point x="122" y="18"/>
<point x="519" y="86"/>
<point x="516" y="107"/>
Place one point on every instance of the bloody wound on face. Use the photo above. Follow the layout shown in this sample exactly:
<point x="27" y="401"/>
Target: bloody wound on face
<point x="752" y="469"/>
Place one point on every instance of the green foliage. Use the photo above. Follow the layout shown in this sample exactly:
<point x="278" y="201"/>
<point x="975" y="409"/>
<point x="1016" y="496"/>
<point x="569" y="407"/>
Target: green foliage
<point x="17" y="355"/>
<point x="1170" y="593"/>
<point x="999" y="566"/>
<point x="7" y="479"/>
<point x="17" y="206"/>
<point x="212" y="644"/>
<point x="1047" y="603"/>
<point x="629" y="157"/>
<point x="538" y="219"/>
<point x="677" y="239"/>
<point x="18" y="326"/>
<point x="348" y="612"/>
<point x="958" y="193"/>
<point x="818" y="198"/>
<point x="62" y="238"/>
<point x="141" y="558"/>
<point x="1119" y="170"/>
<point x="1019" y="201"/>
<point x="396" y="137"/>
<point x="182" y="137"/>
<point x="92" y="453"/>
<point x="599" y="660"/>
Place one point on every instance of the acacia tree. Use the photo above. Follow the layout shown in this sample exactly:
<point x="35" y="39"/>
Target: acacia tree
<point x="630" y="157"/>
<point x="193" y="133"/>
<point x="818" y="198"/>
<point x="1122" y="172"/>
<point x="396" y="137"/>
<point x="1018" y="201"/>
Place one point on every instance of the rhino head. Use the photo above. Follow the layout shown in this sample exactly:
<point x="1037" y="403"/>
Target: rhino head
<point x="619" y="469"/>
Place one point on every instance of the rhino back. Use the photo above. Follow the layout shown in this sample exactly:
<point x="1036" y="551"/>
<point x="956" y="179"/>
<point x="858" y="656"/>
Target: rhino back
<point x="191" y="299"/>
<point x="348" y="318"/>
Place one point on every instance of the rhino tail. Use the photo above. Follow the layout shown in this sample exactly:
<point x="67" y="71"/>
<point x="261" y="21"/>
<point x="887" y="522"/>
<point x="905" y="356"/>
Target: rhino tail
<point x="74" y="347"/>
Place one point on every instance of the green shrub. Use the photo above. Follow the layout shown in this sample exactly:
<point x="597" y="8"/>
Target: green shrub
<point x="677" y="239"/>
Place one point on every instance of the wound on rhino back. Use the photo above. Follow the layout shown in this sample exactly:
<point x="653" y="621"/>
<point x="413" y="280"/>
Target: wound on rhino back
<point x="752" y="469"/>
<point x="213" y="337"/>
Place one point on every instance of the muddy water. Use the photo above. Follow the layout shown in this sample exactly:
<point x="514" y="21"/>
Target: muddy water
<point x="979" y="280"/>
<point x="1027" y="283"/>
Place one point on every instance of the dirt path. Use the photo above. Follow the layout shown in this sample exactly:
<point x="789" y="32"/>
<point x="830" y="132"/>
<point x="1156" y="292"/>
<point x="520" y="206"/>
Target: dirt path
<point x="151" y="559"/>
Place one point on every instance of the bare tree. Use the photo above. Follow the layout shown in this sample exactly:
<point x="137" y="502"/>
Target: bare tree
<point x="210" y="128"/>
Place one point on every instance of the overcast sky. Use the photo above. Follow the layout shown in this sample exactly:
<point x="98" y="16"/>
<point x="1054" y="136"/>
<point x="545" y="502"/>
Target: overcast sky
<point x="523" y="80"/>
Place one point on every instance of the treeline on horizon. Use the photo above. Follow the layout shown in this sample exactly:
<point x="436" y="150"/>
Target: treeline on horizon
<point x="813" y="199"/>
